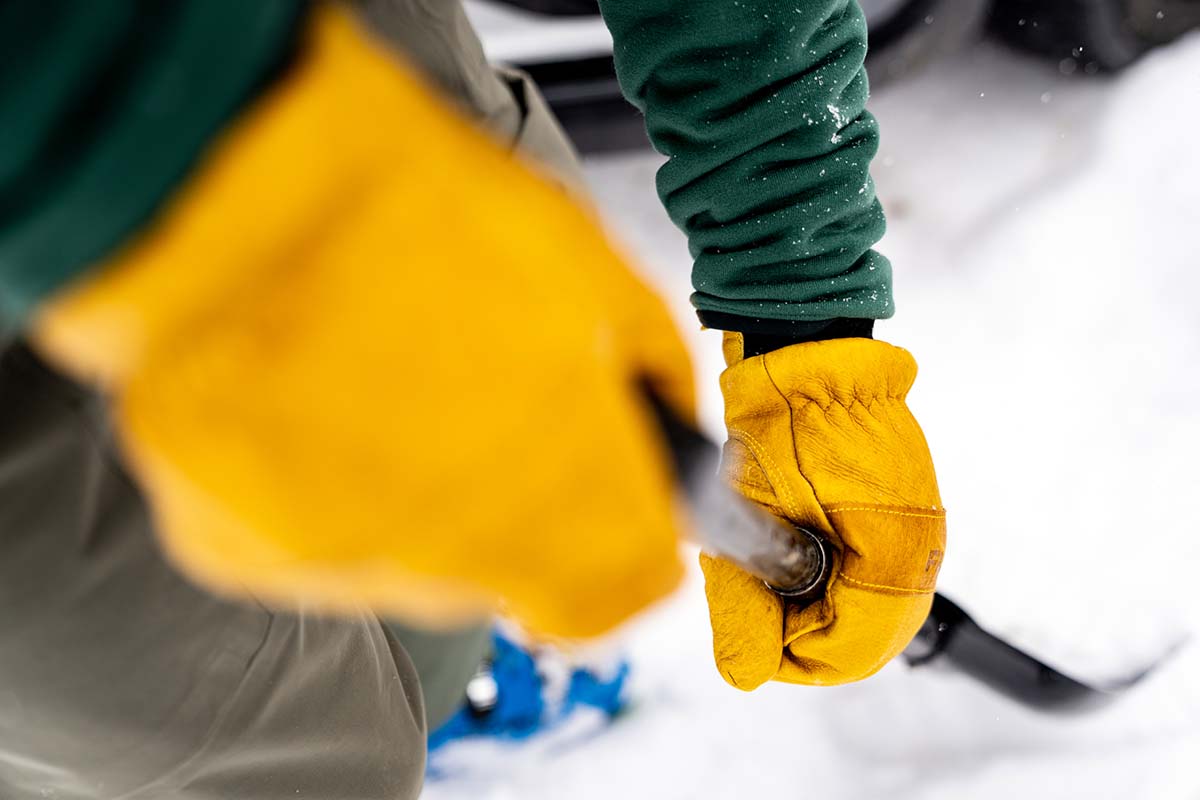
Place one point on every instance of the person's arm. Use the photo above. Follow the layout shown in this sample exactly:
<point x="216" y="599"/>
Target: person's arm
<point x="760" y="108"/>
<point x="345" y="369"/>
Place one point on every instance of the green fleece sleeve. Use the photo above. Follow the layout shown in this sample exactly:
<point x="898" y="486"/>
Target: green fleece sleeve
<point x="759" y="106"/>
<point x="104" y="108"/>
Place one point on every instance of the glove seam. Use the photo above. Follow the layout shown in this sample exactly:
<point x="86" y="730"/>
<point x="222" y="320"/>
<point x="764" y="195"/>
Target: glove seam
<point x="761" y="454"/>
<point x="791" y="421"/>
<point x="897" y="589"/>
<point x="936" y="513"/>
<point x="868" y="403"/>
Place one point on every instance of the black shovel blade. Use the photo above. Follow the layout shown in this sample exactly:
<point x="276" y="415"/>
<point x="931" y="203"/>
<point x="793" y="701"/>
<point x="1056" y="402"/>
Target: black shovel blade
<point x="950" y="634"/>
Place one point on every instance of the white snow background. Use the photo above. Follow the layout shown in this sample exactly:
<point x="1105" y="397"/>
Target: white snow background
<point x="1044" y="232"/>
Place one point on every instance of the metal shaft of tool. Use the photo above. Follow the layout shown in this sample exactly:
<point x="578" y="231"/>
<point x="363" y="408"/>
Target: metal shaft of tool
<point x="793" y="561"/>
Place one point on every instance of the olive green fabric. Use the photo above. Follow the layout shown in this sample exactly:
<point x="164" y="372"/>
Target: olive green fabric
<point x="122" y="680"/>
<point x="103" y="109"/>
<point x="445" y="662"/>
<point x="760" y="108"/>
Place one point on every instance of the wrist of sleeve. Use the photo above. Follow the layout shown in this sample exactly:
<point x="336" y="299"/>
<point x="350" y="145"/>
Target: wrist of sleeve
<point x="768" y="147"/>
<point x="764" y="335"/>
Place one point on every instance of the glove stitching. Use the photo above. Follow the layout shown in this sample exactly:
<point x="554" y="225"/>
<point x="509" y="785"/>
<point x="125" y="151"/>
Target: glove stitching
<point x="936" y="514"/>
<point x="760" y="453"/>
<point x="797" y="513"/>
<point x="897" y="589"/>
<point x="868" y="403"/>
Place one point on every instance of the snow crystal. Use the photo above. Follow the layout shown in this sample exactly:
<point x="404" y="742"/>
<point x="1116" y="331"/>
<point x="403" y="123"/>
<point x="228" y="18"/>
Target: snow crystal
<point x="839" y="120"/>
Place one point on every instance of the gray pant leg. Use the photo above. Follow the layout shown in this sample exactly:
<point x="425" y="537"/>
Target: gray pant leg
<point x="118" y="679"/>
<point x="436" y="36"/>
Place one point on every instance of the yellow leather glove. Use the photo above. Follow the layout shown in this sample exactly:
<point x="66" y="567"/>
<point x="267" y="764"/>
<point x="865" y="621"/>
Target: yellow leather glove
<point x="366" y="357"/>
<point x="819" y="434"/>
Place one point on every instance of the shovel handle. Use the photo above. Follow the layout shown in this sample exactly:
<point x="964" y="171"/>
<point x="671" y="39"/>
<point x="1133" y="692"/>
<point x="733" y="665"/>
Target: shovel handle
<point x="793" y="561"/>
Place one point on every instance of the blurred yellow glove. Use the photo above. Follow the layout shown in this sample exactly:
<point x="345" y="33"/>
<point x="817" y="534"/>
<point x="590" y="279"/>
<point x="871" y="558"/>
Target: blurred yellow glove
<point x="819" y="434"/>
<point x="366" y="357"/>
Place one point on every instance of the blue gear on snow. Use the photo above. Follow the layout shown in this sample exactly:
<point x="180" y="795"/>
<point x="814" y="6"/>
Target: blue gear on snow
<point x="524" y="702"/>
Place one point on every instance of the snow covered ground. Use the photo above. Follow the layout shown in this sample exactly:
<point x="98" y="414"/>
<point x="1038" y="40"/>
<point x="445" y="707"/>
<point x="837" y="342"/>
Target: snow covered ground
<point x="1044" y="231"/>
